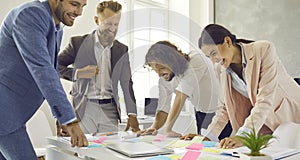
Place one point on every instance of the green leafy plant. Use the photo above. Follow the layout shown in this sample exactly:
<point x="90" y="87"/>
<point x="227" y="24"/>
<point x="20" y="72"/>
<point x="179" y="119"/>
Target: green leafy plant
<point x="255" y="142"/>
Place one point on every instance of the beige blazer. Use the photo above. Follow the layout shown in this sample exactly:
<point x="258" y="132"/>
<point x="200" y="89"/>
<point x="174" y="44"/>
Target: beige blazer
<point x="274" y="95"/>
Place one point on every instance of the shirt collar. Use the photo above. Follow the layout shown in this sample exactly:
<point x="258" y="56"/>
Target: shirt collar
<point x="244" y="62"/>
<point x="58" y="27"/>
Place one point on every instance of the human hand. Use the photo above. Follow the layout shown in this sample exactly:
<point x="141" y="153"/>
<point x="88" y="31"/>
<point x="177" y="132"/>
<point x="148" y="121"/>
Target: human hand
<point x="190" y="136"/>
<point x="148" y="131"/>
<point x="89" y="71"/>
<point x="77" y="136"/>
<point x="61" y="130"/>
<point x="133" y="123"/>
<point x="172" y="134"/>
<point x="230" y="142"/>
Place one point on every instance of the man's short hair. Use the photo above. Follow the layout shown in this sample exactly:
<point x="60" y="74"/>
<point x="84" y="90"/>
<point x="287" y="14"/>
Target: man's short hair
<point x="114" y="6"/>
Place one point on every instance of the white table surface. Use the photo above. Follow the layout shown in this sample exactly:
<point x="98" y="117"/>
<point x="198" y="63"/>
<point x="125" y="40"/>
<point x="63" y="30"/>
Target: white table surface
<point x="61" y="149"/>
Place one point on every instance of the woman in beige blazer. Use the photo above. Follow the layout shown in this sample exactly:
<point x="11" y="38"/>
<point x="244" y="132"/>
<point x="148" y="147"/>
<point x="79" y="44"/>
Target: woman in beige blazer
<point x="256" y="90"/>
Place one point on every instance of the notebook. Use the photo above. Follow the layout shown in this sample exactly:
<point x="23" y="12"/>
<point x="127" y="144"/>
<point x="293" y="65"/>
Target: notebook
<point x="139" y="149"/>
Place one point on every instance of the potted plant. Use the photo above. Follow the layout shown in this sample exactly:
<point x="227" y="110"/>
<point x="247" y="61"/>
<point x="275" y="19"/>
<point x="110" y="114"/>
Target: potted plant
<point x="255" y="142"/>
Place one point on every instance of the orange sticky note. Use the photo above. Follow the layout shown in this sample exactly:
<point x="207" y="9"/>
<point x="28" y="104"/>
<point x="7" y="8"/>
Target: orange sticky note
<point x="191" y="155"/>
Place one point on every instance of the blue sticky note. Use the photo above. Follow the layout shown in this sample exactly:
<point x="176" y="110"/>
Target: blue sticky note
<point x="94" y="145"/>
<point x="209" y="143"/>
<point x="159" y="157"/>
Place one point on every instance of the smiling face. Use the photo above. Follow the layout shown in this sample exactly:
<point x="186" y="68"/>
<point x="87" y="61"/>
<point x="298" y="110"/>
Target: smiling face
<point x="162" y="71"/>
<point x="108" y="22"/>
<point x="221" y="53"/>
<point x="67" y="10"/>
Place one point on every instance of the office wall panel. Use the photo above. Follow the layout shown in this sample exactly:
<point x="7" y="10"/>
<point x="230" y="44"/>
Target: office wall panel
<point x="273" y="20"/>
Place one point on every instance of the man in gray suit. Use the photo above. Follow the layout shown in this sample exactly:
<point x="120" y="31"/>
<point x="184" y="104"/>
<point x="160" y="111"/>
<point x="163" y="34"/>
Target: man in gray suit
<point x="99" y="63"/>
<point x="30" y="38"/>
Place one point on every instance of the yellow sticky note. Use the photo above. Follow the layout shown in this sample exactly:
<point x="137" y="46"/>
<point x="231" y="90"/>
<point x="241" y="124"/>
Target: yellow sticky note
<point x="212" y="150"/>
<point x="174" y="156"/>
<point x="179" y="144"/>
<point x="197" y="139"/>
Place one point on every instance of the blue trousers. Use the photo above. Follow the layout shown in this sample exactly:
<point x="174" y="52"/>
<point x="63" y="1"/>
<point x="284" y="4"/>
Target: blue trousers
<point x="16" y="146"/>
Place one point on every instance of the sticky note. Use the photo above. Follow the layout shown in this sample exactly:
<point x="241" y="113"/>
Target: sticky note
<point x="195" y="146"/>
<point x="94" y="145"/>
<point x="191" y="155"/>
<point x="174" y="156"/>
<point x="100" y="140"/>
<point x="212" y="150"/>
<point x="159" y="157"/>
<point x="178" y="144"/>
<point x="209" y="143"/>
<point x="197" y="139"/>
<point x="159" y="138"/>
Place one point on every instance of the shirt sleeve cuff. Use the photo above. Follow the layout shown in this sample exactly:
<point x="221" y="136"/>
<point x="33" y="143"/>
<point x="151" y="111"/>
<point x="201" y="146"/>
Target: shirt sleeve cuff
<point x="69" y="121"/>
<point x="133" y="114"/>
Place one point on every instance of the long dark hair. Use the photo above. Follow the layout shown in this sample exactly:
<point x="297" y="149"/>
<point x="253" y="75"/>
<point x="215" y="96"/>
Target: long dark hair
<point x="215" y="34"/>
<point x="166" y="53"/>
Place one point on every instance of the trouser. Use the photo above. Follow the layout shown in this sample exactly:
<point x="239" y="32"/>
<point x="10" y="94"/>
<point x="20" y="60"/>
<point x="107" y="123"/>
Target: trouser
<point x="99" y="118"/>
<point x="204" y="119"/>
<point x="16" y="146"/>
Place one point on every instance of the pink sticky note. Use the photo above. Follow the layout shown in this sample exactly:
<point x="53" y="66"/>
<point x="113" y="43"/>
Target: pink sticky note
<point x="195" y="146"/>
<point x="191" y="155"/>
<point x="159" y="138"/>
<point x="100" y="140"/>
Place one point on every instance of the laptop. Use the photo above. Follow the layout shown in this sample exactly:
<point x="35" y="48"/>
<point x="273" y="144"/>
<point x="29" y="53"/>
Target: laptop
<point x="150" y="106"/>
<point x="139" y="149"/>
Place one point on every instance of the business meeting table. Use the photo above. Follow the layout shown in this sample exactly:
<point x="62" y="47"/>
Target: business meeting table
<point x="60" y="149"/>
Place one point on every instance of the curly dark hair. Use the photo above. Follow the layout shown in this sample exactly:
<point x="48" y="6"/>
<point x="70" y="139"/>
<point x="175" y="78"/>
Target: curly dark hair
<point x="166" y="53"/>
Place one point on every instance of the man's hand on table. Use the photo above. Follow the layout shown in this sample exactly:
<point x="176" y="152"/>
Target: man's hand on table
<point x="77" y="136"/>
<point x="133" y="123"/>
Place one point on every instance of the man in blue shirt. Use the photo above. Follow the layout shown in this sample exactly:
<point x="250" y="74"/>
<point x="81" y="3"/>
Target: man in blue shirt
<point x="30" y="38"/>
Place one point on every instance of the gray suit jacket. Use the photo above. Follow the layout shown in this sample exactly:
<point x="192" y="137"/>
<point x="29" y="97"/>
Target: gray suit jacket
<point x="80" y="53"/>
<point x="29" y="44"/>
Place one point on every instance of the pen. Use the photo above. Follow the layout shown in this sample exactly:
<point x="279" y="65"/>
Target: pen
<point x="108" y="134"/>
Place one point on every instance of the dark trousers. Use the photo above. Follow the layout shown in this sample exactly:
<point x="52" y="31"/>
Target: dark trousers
<point x="204" y="119"/>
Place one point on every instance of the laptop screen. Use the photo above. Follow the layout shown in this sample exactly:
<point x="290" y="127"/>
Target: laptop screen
<point x="150" y="106"/>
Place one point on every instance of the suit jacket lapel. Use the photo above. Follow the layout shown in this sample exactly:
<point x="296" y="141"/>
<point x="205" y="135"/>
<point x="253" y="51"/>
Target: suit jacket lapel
<point x="115" y="55"/>
<point x="249" y="71"/>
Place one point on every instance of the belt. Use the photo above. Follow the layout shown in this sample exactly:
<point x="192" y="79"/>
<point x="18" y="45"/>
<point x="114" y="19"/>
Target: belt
<point x="102" y="101"/>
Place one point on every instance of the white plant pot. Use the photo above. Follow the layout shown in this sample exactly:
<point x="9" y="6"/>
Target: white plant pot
<point x="247" y="157"/>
